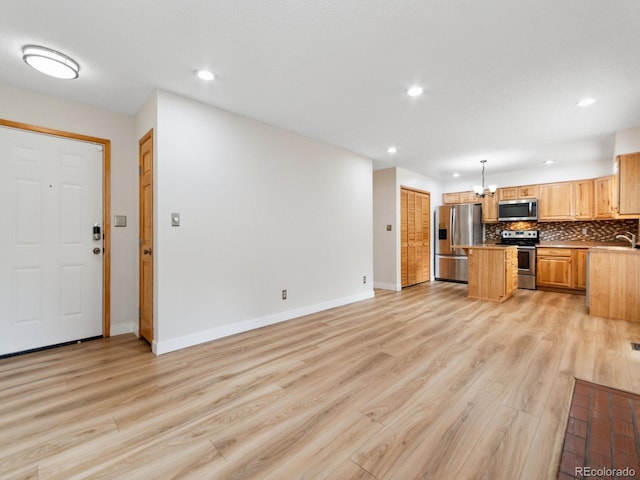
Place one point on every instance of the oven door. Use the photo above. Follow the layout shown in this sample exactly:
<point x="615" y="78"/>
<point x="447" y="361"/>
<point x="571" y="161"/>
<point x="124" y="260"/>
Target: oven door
<point x="526" y="260"/>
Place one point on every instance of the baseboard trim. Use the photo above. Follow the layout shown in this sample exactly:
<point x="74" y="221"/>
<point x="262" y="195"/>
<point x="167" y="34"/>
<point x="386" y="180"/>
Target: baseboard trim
<point x="170" y="345"/>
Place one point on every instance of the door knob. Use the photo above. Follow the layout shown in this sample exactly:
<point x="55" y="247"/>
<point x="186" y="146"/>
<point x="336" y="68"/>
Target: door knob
<point x="147" y="251"/>
<point x="96" y="251"/>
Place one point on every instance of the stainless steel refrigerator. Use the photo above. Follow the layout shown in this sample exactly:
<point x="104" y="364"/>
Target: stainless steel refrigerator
<point x="455" y="225"/>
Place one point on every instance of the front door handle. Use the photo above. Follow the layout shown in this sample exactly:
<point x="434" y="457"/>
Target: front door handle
<point x="147" y="251"/>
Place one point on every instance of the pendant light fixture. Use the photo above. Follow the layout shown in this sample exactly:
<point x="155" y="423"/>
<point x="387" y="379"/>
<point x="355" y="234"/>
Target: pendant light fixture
<point x="479" y="189"/>
<point x="50" y="62"/>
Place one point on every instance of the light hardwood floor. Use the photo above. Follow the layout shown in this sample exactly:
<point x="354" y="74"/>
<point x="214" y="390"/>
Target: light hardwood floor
<point x="423" y="383"/>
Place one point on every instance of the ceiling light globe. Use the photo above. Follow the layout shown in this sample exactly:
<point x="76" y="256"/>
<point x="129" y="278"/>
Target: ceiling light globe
<point x="585" y="102"/>
<point x="415" y="91"/>
<point x="205" y="75"/>
<point x="50" y="62"/>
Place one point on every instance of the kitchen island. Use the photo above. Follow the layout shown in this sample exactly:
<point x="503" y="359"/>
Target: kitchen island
<point x="493" y="271"/>
<point x="614" y="282"/>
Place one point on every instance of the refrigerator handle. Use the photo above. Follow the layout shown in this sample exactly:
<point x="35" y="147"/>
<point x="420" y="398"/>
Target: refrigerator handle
<point x="452" y="227"/>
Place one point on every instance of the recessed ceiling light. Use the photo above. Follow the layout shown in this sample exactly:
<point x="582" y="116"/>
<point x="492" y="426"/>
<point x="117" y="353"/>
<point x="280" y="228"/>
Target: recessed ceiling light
<point x="585" y="102"/>
<point x="548" y="162"/>
<point x="205" y="75"/>
<point x="392" y="150"/>
<point x="50" y="62"/>
<point x="415" y="91"/>
<point x="456" y="175"/>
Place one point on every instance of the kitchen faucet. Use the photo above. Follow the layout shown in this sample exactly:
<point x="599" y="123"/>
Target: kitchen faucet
<point x="631" y="238"/>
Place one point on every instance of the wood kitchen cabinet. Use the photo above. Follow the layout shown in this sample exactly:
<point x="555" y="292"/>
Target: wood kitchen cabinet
<point x="517" y="193"/>
<point x="489" y="208"/>
<point x="452" y="198"/>
<point x="456" y="198"/>
<point x="562" y="268"/>
<point x="628" y="176"/>
<point x="579" y="259"/>
<point x="566" y="201"/>
<point x="583" y="199"/>
<point x="556" y="202"/>
<point x="554" y="267"/>
<point x="614" y="283"/>
<point x="493" y="272"/>
<point x="604" y="198"/>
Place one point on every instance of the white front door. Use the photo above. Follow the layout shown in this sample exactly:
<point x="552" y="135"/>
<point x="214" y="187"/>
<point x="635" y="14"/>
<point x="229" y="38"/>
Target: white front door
<point x="50" y="277"/>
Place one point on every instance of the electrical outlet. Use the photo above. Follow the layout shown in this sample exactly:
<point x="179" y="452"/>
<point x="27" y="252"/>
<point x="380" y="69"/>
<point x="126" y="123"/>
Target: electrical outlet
<point x="284" y="294"/>
<point x="584" y="230"/>
<point x="364" y="279"/>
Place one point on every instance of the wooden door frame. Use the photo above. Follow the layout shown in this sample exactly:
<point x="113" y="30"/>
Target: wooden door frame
<point x="106" y="206"/>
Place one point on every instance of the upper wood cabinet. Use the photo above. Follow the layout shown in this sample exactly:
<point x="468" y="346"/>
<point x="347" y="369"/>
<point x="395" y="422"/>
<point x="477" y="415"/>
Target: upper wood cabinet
<point x="556" y="202"/>
<point x="583" y="200"/>
<point x="628" y="168"/>
<point x="469" y="197"/>
<point x="516" y="193"/>
<point x="565" y="201"/>
<point x="604" y="198"/>
<point x="450" y="198"/>
<point x="489" y="208"/>
<point x="454" y="198"/>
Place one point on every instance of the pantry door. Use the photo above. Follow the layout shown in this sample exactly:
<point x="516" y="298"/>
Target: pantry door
<point x="51" y="241"/>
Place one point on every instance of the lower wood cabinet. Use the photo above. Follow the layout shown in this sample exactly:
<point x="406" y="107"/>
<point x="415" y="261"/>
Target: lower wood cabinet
<point x="493" y="272"/>
<point x="614" y="283"/>
<point x="563" y="268"/>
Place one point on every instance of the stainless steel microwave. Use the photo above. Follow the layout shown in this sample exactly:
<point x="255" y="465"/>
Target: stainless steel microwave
<point x="518" y="210"/>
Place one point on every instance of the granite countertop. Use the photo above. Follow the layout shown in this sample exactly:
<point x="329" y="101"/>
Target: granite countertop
<point x="580" y="244"/>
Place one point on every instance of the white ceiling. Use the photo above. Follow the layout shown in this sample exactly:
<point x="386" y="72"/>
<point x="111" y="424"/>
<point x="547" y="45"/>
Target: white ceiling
<point x="501" y="77"/>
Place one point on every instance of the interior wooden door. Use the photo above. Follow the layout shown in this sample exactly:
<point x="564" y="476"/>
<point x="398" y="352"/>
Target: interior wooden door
<point x="145" y="312"/>
<point x="415" y="236"/>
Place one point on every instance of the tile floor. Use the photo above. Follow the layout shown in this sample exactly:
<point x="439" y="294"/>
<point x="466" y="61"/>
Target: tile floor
<point x="602" y="438"/>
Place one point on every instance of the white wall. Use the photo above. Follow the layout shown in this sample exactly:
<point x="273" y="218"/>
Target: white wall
<point x="262" y="210"/>
<point x="385" y="243"/>
<point x="386" y="210"/>
<point x="627" y="141"/>
<point x="41" y="110"/>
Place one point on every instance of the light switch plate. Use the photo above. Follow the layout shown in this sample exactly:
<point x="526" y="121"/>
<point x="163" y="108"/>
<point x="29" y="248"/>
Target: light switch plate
<point x="175" y="219"/>
<point x="119" y="220"/>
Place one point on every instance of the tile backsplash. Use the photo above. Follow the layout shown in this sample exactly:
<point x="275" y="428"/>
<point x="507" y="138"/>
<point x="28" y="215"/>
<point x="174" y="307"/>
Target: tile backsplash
<point x="596" y="231"/>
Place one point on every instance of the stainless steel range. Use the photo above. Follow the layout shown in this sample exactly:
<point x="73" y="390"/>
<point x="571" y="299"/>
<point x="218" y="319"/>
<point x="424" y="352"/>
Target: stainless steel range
<point x="526" y="240"/>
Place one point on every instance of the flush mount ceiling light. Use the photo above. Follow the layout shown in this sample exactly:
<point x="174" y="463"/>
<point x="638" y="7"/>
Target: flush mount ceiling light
<point x="205" y="75"/>
<point x="392" y="150"/>
<point x="50" y="62"/>
<point x="585" y="102"/>
<point x="456" y="175"/>
<point x="549" y="162"/>
<point x="479" y="189"/>
<point x="415" y="91"/>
